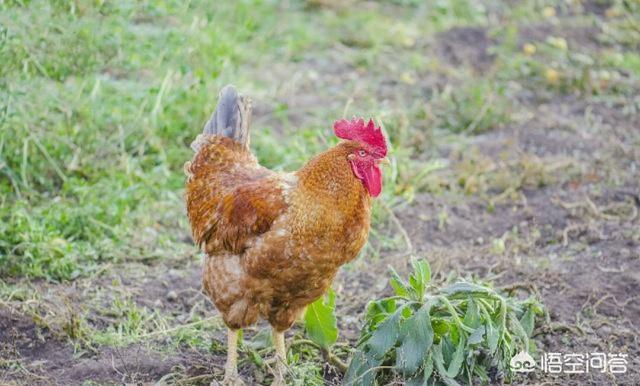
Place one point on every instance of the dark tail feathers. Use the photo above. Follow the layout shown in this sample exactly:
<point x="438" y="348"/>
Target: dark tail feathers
<point x="232" y="116"/>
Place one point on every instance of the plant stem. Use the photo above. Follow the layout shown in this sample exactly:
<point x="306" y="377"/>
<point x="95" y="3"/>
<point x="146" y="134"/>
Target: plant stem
<point x="326" y="354"/>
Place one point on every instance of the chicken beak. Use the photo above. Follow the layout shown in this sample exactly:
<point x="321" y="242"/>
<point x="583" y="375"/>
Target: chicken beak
<point x="383" y="161"/>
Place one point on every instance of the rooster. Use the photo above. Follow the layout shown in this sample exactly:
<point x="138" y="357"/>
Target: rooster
<point x="275" y="240"/>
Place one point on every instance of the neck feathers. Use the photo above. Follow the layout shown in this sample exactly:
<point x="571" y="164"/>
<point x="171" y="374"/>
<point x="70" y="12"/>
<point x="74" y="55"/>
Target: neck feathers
<point x="329" y="174"/>
<point x="330" y="201"/>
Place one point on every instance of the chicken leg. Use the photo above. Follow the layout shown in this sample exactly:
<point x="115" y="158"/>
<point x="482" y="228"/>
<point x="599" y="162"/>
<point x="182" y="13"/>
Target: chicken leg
<point x="231" y="367"/>
<point x="281" y="358"/>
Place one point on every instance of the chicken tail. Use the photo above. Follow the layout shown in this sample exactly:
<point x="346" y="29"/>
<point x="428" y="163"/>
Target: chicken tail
<point x="231" y="118"/>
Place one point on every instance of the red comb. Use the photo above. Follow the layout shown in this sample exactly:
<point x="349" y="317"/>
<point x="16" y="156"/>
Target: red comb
<point x="356" y="130"/>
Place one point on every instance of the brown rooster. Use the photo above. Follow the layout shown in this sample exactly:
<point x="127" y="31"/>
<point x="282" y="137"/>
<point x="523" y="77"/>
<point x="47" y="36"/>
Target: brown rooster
<point x="274" y="241"/>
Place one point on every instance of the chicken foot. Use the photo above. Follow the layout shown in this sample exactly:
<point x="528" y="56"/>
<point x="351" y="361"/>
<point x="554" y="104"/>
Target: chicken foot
<point x="231" y="377"/>
<point x="281" y="358"/>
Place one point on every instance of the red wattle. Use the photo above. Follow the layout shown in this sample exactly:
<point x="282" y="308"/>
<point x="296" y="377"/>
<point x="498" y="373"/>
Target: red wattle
<point x="373" y="180"/>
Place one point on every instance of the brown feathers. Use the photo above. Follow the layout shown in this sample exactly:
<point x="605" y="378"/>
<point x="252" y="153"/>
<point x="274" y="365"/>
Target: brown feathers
<point x="229" y="196"/>
<point x="274" y="241"/>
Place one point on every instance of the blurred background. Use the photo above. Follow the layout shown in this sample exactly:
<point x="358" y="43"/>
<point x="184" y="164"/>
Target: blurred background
<point x="515" y="135"/>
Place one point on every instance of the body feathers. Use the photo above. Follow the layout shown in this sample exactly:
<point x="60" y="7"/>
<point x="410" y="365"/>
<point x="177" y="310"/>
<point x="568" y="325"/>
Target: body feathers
<point x="274" y="241"/>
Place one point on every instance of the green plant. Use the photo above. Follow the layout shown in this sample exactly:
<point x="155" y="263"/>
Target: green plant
<point x="320" y="321"/>
<point x="321" y="327"/>
<point x="474" y="107"/>
<point x="426" y="335"/>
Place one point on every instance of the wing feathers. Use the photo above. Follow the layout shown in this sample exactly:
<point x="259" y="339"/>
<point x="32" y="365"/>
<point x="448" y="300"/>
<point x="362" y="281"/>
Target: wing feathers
<point x="230" y="198"/>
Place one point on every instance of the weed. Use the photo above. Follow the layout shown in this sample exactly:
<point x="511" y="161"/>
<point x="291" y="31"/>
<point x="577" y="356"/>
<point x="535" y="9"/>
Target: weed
<point x="455" y="333"/>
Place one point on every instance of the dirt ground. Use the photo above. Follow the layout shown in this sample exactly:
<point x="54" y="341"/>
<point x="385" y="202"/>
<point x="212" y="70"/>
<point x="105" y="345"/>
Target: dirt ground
<point x="573" y="240"/>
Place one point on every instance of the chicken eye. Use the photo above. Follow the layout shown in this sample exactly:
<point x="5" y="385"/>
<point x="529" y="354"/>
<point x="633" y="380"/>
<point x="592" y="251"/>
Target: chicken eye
<point x="362" y="153"/>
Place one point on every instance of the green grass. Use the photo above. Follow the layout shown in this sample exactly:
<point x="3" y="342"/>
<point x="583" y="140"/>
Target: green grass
<point x="99" y="103"/>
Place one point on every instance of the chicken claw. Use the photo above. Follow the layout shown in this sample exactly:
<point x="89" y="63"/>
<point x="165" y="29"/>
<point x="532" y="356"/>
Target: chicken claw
<point x="281" y="358"/>
<point x="231" y="377"/>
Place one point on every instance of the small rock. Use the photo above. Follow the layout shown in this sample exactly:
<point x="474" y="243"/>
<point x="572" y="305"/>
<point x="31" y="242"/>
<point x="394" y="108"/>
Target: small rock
<point x="172" y="296"/>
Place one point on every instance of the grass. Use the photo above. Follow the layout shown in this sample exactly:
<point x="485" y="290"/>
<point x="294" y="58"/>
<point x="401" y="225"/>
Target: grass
<point x="100" y="100"/>
<point x="96" y="126"/>
<point x="99" y="103"/>
<point x="97" y="119"/>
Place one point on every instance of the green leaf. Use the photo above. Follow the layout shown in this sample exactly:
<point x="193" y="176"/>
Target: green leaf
<point x="263" y="339"/>
<point x="438" y="359"/>
<point x="481" y="373"/>
<point x="418" y="337"/>
<point x="428" y="367"/>
<point x="517" y="328"/>
<point x="386" y="335"/>
<point x="501" y="322"/>
<point x="472" y="316"/>
<point x="454" y="334"/>
<point x="420" y="277"/>
<point x="398" y="285"/>
<point x="492" y="336"/>
<point x="476" y="336"/>
<point x="416" y="381"/>
<point x="465" y="288"/>
<point x="422" y="379"/>
<point x="379" y="310"/>
<point x="356" y="365"/>
<point x="255" y="357"/>
<point x="320" y="321"/>
<point x="456" y="360"/>
<point x="439" y="365"/>
<point x="358" y="373"/>
<point x="422" y="270"/>
<point x="527" y="321"/>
